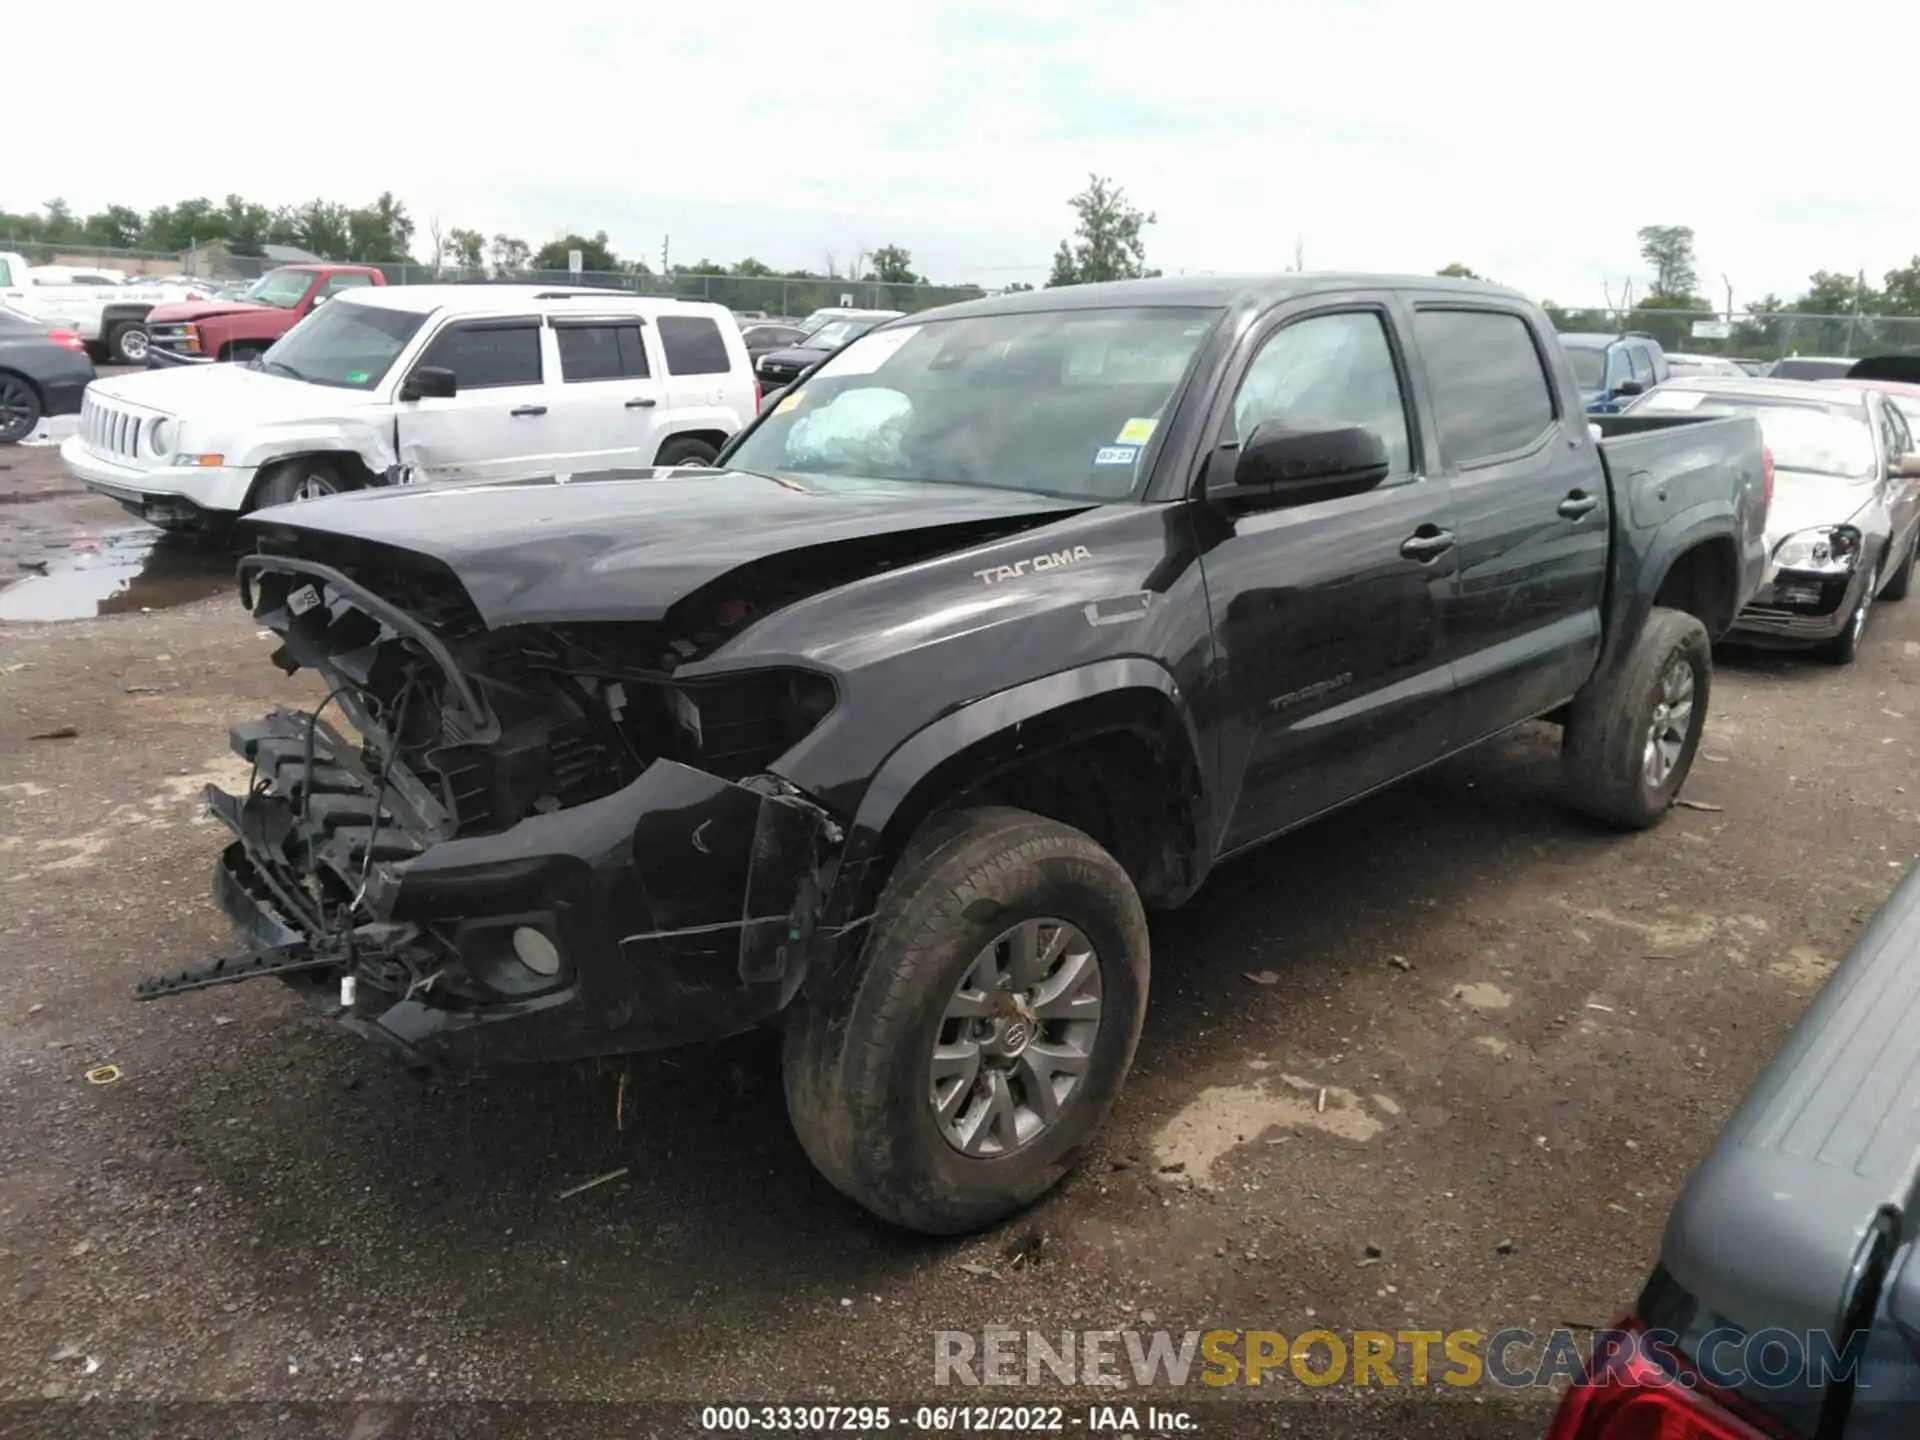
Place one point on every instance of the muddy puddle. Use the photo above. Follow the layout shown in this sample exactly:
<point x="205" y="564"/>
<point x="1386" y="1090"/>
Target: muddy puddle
<point x="120" y="572"/>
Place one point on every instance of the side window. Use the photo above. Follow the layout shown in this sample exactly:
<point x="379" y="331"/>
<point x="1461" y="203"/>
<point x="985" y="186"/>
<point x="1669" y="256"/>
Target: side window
<point x="336" y="283"/>
<point x="1642" y="365"/>
<point x="488" y="355"/>
<point x="1329" y="367"/>
<point x="601" y="352"/>
<point x="6" y="272"/>
<point x="693" y="345"/>
<point x="1490" y="390"/>
<point x="1893" y="430"/>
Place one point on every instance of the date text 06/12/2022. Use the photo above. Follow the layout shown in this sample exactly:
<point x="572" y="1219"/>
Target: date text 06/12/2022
<point x="948" y="1419"/>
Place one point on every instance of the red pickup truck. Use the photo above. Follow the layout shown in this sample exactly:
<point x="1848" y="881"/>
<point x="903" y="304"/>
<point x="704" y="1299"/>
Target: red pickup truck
<point x="202" y="331"/>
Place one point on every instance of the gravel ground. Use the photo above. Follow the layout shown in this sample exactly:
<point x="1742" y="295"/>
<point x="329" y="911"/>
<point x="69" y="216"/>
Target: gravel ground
<point x="1454" y="1024"/>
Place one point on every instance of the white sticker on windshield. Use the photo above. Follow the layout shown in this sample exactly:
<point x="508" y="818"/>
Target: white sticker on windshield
<point x="1674" y="400"/>
<point x="869" y="352"/>
<point x="1116" y="455"/>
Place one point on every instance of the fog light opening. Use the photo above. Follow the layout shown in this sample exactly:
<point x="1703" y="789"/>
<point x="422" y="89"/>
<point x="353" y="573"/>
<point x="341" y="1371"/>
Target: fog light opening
<point x="536" y="951"/>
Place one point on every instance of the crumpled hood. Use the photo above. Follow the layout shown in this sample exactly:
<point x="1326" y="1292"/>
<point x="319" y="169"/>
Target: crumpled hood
<point x="230" y="394"/>
<point x="1804" y="502"/>
<point x="625" y="545"/>
<point x="179" y="311"/>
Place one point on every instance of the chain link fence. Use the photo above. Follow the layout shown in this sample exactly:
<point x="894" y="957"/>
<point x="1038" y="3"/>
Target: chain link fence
<point x="768" y="295"/>
<point x="1752" y="336"/>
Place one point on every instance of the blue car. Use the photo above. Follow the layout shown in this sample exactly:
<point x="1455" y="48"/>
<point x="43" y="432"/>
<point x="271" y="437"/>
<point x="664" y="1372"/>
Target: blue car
<point x="1612" y="369"/>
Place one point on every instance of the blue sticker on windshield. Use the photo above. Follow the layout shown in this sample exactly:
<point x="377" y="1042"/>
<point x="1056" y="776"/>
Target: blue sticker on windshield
<point x="1116" y="454"/>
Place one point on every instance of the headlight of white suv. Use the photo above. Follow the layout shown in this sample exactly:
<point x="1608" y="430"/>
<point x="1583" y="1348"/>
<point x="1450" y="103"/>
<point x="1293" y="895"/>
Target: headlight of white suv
<point x="160" y="437"/>
<point x="1831" y="550"/>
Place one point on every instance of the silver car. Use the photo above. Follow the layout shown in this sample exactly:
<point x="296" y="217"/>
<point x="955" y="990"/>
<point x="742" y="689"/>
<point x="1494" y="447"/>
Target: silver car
<point x="1845" y="514"/>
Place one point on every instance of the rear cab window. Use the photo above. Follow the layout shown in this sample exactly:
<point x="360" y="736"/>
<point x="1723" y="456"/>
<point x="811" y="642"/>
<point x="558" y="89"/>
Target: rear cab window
<point x="601" y="350"/>
<point x="1489" y="384"/>
<point x="693" y="345"/>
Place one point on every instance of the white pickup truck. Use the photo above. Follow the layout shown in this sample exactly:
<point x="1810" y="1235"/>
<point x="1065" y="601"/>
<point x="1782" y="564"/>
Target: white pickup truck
<point x="427" y="382"/>
<point x="110" y="316"/>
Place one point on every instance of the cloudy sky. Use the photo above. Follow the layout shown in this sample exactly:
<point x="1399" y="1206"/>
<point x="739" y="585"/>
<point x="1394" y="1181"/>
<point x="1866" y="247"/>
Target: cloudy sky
<point x="1529" y="141"/>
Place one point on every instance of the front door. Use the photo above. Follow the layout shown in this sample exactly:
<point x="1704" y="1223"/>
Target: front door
<point x="497" y="425"/>
<point x="1327" y="617"/>
<point x="1533" y="514"/>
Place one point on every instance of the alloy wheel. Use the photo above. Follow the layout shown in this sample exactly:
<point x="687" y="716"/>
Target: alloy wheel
<point x="1672" y="720"/>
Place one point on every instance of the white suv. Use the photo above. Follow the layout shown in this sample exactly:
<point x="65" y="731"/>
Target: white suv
<point x="436" y="382"/>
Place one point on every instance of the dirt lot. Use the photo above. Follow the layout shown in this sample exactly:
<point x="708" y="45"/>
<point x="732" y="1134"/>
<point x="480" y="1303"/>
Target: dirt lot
<point x="1449" y="1018"/>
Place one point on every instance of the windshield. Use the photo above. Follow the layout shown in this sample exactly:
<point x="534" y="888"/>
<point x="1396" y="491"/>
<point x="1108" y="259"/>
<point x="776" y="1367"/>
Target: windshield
<point x="1056" y="403"/>
<point x="343" y="344"/>
<point x="1817" y="439"/>
<point x="282" y="289"/>
<point x="835" y="333"/>
<point x="1589" y="367"/>
<point x="1909" y="408"/>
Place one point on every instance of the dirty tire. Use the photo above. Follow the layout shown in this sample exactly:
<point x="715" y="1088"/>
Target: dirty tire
<point x="861" y="1038"/>
<point x="306" y="478"/>
<point x="127" y="343"/>
<point x="685" y="452"/>
<point x="1603" y="755"/>
<point x="1902" y="579"/>
<point x="20" y="409"/>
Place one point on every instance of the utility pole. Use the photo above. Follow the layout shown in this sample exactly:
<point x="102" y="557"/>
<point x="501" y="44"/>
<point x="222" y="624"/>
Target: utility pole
<point x="1859" y="293"/>
<point x="1729" y="284"/>
<point x="664" y="270"/>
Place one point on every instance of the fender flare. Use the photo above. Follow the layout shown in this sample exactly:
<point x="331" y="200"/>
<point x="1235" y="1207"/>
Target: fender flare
<point x="889" y="807"/>
<point x="1653" y="561"/>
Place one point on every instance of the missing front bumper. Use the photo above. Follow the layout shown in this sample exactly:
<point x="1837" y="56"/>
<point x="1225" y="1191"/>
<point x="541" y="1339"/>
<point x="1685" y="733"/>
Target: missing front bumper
<point x="679" y="908"/>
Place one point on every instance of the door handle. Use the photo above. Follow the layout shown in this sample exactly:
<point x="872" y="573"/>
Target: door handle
<point x="1579" y="503"/>
<point x="645" y="402"/>
<point x="1427" y="543"/>
<point x="528" y="410"/>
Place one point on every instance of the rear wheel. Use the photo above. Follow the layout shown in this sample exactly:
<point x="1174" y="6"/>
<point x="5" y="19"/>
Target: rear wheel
<point x="1631" y="738"/>
<point x="127" y="343"/>
<point x="306" y="478"/>
<point x="958" y="1066"/>
<point x="686" y="452"/>
<point x="19" y="409"/>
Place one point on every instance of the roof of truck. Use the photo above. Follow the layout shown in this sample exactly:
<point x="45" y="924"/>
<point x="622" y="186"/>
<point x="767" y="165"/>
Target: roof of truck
<point x="489" y="299"/>
<point x="1835" y="393"/>
<point x="1211" y="292"/>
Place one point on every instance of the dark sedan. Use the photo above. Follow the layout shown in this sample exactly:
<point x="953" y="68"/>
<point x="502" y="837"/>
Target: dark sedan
<point x="766" y="338"/>
<point x="42" y="372"/>
<point x="783" y="367"/>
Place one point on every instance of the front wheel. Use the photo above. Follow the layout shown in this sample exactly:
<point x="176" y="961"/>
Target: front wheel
<point x="1901" y="581"/>
<point x="127" y="343"/>
<point x="305" y="478"/>
<point x="1844" y="648"/>
<point x="955" y="1069"/>
<point x="1631" y="737"/>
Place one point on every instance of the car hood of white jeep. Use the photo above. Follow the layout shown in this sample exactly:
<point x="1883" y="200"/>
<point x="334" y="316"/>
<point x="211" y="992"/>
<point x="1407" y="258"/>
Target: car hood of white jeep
<point x="235" y="395"/>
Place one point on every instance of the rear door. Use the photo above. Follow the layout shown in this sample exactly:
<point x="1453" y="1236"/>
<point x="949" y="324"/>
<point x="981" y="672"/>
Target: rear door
<point x="1328" y="617"/>
<point x="606" y="401"/>
<point x="1531" y="508"/>
<point x="499" y="423"/>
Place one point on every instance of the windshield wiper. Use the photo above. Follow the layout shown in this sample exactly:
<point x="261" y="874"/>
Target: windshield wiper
<point x="280" y="367"/>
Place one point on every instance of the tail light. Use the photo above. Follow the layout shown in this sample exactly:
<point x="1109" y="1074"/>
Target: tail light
<point x="1766" y="481"/>
<point x="1632" y="1397"/>
<point x="68" y="340"/>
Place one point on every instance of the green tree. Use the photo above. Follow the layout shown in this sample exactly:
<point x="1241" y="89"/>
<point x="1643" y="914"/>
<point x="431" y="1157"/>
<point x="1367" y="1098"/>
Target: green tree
<point x="117" y="227"/>
<point x="892" y="265"/>
<point x="60" y="225"/>
<point x="1668" y="251"/>
<point x="596" y="254"/>
<point x="1107" y="243"/>
<point x="1018" y="286"/>
<point x="509" y="254"/>
<point x="1458" y="271"/>
<point x="380" y="233"/>
<point x="1900" y="292"/>
<point x="466" y="248"/>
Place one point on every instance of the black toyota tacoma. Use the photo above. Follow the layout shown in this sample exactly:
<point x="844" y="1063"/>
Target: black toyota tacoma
<point x="1015" y="618"/>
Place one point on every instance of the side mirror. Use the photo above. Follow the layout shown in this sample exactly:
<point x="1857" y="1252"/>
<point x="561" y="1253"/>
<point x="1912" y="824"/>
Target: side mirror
<point x="1907" y="466"/>
<point x="429" y="382"/>
<point x="1296" y="462"/>
<point x="1629" y="387"/>
<point x="319" y="300"/>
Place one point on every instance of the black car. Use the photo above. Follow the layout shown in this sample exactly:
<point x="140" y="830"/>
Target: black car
<point x="1018" y="617"/>
<point x="42" y="372"/>
<point x="764" y="339"/>
<point x="783" y="367"/>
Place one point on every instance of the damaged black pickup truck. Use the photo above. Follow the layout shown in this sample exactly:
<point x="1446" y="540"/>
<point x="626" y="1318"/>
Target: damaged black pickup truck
<point x="1012" y="618"/>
